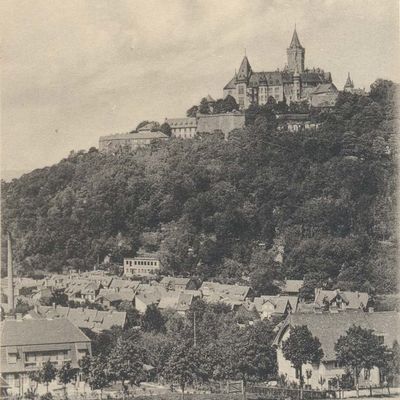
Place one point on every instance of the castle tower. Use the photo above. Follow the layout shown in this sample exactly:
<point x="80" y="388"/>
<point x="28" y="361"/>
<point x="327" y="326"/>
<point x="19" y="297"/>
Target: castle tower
<point x="296" y="85"/>
<point x="295" y="54"/>
<point x="10" y="292"/>
<point x="349" y="85"/>
<point x="244" y="71"/>
<point x="242" y="80"/>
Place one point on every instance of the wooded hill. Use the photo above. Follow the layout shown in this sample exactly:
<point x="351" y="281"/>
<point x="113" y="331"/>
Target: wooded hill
<point x="215" y="208"/>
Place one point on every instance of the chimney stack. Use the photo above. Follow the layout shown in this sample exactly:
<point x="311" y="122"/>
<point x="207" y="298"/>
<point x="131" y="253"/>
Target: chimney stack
<point x="10" y="279"/>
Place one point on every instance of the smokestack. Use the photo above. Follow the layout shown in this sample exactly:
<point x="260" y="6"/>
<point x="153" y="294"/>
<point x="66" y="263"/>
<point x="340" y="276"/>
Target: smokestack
<point x="10" y="273"/>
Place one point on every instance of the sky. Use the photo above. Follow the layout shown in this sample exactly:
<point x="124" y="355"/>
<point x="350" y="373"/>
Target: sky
<point x="75" y="70"/>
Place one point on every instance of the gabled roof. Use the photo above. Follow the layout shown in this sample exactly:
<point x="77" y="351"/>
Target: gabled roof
<point x="328" y="327"/>
<point x="353" y="300"/>
<point x="173" y="281"/>
<point x="85" y="317"/>
<point x="118" y="283"/>
<point x="40" y="331"/>
<point x="279" y="302"/>
<point x="325" y="88"/>
<point x="292" y="285"/>
<point x="225" y="292"/>
<point x="231" y="84"/>
<point x="244" y="69"/>
<point x="295" y="43"/>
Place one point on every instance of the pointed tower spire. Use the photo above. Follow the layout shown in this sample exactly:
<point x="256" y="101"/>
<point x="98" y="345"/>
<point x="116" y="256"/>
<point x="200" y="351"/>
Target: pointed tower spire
<point x="349" y="85"/>
<point x="295" y="43"/>
<point x="295" y="54"/>
<point x="244" y="70"/>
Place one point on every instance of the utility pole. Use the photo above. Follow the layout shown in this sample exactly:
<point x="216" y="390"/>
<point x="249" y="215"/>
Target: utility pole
<point x="194" y="329"/>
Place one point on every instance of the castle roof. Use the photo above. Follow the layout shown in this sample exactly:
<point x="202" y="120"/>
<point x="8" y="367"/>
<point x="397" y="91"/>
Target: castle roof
<point x="295" y="43"/>
<point x="325" y="88"/>
<point x="189" y="122"/>
<point x="244" y="70"/>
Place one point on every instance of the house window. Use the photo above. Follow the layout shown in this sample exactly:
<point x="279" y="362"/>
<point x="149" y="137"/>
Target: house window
<point x="367" y="374"/>
<point x="241" y="89"/>
<point x="381" y="339"/>
<point x="12" y="358"/>
<point x="241" y="101"/>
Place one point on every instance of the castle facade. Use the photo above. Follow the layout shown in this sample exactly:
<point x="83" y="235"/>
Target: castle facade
<point x="292" y="84"/>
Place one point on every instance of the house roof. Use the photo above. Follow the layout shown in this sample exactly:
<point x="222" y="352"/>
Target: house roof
<point x="172" y="281"/>
<point x="292" y="285"/>
<point x="121" y="295"/>
<point x="233" y="292"/>
<point x="118" y="283"/>
<point x="40" y="331"/>
<point x="353" y="300"/>
<point x="85" y="317"/>
<point x="328" y="327"/>
<point x="231" y="84"/>
<point x="279" y="302"/>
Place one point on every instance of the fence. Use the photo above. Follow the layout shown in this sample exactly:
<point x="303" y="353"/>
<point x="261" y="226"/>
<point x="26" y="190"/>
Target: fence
<point x="261" y="392"/>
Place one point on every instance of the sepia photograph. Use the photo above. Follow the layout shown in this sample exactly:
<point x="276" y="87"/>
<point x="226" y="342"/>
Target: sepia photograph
<point x="199" y="200"/>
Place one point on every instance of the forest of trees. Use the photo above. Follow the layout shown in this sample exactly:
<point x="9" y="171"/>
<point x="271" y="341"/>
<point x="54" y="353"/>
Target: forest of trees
<point x="214" y="209"/>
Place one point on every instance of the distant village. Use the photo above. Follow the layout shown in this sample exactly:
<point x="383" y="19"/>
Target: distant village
<point x="51" y="331"/>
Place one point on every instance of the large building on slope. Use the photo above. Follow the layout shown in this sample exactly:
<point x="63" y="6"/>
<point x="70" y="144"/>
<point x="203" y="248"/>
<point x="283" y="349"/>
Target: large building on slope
<point x="293" y="83"/>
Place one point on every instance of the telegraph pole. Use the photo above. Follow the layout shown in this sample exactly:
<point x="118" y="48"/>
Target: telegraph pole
<point x="194" y="329"/>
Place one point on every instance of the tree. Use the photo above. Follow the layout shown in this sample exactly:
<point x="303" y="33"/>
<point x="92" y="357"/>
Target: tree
<point x="141" y="124"/>
<point x="132" y="315"/>
<point x="165" y="128"/>
<point x="153" y="320"/>
<point x="125" y="362"/>
<point x="47" y="374"/>
<point x="192" y="112"/>
<point x="95" y="373"/>
<point x="301" y="348"/>
<point x="359" y="349"/>
<point x="265" y="273"/>
<point x="36" y="377"/>
<point x="204" y="107"/>
<point x="66" y="374"/>
<point x="183" y="366"/>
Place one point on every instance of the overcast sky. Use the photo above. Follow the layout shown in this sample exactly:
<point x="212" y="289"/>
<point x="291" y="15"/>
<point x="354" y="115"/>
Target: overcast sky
<point x="75" y="70"/>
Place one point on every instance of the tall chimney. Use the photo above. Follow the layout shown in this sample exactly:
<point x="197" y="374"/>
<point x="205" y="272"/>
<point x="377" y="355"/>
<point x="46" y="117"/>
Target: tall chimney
<point x="10" y="273"/>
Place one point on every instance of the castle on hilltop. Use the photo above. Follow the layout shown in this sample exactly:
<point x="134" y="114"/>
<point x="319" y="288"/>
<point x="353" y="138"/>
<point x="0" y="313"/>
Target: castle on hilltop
<point x="292" y="84"/>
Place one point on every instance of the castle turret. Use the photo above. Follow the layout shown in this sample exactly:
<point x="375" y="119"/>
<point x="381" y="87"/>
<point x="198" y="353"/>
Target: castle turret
<point x="295" y="54"/>
<point x="349" y="85"/>
<point x="244" y="71"/>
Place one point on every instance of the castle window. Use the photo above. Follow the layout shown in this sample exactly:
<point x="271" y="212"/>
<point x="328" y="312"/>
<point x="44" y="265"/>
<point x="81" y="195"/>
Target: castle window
<point x="241" y="89"/>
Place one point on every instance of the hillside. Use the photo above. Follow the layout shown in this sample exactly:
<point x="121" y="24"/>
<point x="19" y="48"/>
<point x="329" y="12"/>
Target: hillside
<point x="216" y="208"/>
